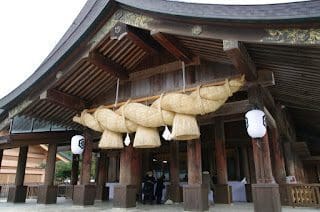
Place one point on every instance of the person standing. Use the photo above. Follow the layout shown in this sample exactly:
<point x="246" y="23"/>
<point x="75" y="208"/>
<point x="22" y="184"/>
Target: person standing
<point x="148" y="188"/>
<point x="159" y="189"/>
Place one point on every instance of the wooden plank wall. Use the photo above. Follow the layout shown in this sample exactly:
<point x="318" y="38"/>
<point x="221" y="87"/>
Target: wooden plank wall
<point x="205" y="73"/>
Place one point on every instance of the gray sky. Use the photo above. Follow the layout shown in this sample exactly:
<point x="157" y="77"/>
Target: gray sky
<point x="30" y="29"/>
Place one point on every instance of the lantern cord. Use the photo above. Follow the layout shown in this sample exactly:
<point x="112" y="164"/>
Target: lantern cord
<point x="117" y="93"/>
<point x="258" y="143"/>
<point x="183" y="76"/>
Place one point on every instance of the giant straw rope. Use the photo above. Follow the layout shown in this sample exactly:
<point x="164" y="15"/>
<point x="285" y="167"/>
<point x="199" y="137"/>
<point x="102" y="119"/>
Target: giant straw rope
<point x="178" y="110"/>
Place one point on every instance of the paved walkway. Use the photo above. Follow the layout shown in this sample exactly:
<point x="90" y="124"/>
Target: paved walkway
<point x="66" y="205"/>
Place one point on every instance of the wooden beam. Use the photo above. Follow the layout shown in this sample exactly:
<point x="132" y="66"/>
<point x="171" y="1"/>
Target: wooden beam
<point x="229" y="108"/>
<point x="240" y="58"/>
<point x="220" y="151"/>
<point x="161" y="69"/>
<point x="172" y="46"/>
<point x="63" y="99"/>
<point x="121" y="30"/>
<point x="25" y="139"/>
<point x="108" y="65"/>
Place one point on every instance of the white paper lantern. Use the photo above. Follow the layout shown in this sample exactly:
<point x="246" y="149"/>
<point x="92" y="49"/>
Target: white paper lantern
<point x="77" y="144"/>
<point x="256" y="123"/>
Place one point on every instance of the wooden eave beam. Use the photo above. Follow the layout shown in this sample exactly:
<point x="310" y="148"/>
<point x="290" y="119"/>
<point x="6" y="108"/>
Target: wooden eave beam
<point x="240" y="58"/>
<point x="172" y="46"/>
<point x="228" y="109"/>
<point x="63" y="99"/>
<point x="121" y="30"/>
<point x="108" y="65"/>
<point x="24" y="139"/>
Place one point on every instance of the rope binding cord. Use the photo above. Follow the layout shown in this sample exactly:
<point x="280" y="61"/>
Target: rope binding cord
<point x="117" y="94"/>
<point x="183" y="76"/>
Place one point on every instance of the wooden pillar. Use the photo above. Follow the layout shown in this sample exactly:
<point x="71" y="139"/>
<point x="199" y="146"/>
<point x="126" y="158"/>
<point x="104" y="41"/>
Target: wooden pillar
<point x="277" y="157"/>
<point x="47" y="193"/>
<point x="102" y="167"/>
<point x="253" y="179"/>
<point x="265" y="193"/>
<point x="246" y="172"/>
<point x="195" y="194"/>
<point x="18" y="192"/>
<point x="75" y="169"/>
<point x="125" y="193"/>
<point x="289" y="159"/>
<point x="85" y="193"/>
<point x="112" y="168"/>
<point x="223" y="191"/>
<point x="174" y="190"/>
<point x="237" y="163"/>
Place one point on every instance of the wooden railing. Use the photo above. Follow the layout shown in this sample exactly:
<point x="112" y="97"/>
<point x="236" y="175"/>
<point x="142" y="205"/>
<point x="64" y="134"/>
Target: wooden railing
<point x="305" y="195"/>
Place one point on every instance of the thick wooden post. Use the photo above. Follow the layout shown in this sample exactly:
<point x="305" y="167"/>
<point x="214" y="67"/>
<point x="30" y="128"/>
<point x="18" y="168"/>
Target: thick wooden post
<point x="85" y="193"/>
<point x="265" y="193"/>
<point x="246" y="172"/>
<point x="289" y="159"/>
<point x="112" y="169"/>
<point x="18" y="192"/>
<point x="102" y="167"/>
<point x="47" y="193"/>
<point x="195" y="194"/>
<point x="125" y="193"/>
<point x="277" y="157"/>
<point x="175" y="193"/>
<point x="75" y="169"/>
<point x="223" y="191"/>
<point x="237" y="163"/>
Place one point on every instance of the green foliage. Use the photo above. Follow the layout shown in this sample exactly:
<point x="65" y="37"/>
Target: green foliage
<point x="63" y="170"/>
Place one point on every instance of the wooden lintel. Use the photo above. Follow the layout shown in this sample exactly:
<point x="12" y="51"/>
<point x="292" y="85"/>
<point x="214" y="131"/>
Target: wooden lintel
<point x="63" y="99"/>
<point x="230" y="108"/>
<point x="240" y="58"/>
<point x="164" y="68"/>
<point x="108" y="65"/>
<point x="172" y="46"/>
<point x="25" y="139"/>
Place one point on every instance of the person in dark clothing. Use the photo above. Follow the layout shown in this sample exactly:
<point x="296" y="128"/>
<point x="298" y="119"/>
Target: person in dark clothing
<point x="159" y="189"/>
<point x="148" y="188"/>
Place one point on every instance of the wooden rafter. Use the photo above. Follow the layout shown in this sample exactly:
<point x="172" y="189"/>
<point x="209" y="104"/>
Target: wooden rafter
<point x="63" y="99"/>
<point x="172" y="46"/>
<point x="240" y="58"/>
<point x="108" y="65"/>
<point x="121" y="30"/>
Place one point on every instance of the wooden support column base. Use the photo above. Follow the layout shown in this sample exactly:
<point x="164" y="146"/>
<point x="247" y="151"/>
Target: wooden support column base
<point x="248" y="192"/>
<point x="284" y="194"/>
<point x="223" y="194"/>
<point x="84" y="194"/>
<point x="17" y="194"/>
<point x="102" y="193"/>
<point x="47" y="194"/>
<point x="266" y="197"/>
<point x="195" y="197"/>
<point x="175" y="192"/>
<point x="69" y="191"/>
<point x="124" y="196"/>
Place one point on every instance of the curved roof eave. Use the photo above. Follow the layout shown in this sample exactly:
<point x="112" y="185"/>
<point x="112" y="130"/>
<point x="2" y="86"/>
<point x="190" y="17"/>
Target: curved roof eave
<point x="285" y="12"/>
<point x="94" y="9"/>
<point x="75" y="33"/>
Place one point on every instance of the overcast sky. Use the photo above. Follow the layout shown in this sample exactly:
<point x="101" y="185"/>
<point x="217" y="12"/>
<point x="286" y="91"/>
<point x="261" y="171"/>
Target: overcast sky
<point x="30" y="29"/>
